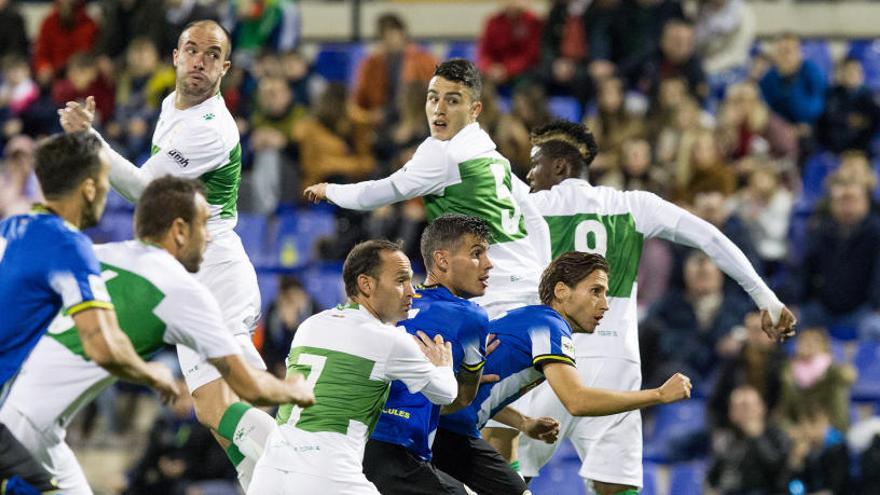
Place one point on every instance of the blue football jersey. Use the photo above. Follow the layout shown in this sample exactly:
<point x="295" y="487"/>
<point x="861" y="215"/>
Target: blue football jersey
<point x="46" y="265"/>
<point x="410" y="420"/>
<point x="530" y="336"/>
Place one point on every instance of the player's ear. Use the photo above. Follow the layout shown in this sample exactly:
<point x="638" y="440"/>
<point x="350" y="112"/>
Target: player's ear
<point x="441" y="260"/>
<point x="476" y="108"/>
<point x="561" y="291"/>
<point x="179" y="231"/>
<point x="89" y="189"/>
<point x="560" y="167"/>
<point x="365" y="284"/>
<point x="174" y="57"/>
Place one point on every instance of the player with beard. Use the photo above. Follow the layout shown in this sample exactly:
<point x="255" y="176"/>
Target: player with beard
<point x="157" y="302"/>
<point x="47" y="264"/>
<point x="196" y="138"/>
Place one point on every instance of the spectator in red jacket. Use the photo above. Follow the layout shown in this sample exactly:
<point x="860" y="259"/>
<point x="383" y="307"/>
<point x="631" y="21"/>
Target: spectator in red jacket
<point x="510" y="45"/>
<point x="83" y="79"/>
<point x="65" y="31"/>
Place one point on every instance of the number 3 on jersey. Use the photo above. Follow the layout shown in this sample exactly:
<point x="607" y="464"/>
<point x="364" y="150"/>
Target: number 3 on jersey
<point x="509" y="222"/>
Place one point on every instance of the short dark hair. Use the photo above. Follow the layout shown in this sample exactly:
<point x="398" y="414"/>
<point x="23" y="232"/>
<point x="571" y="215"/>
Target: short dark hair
<point x="163" y="201"/>
<point x="569" y="268"/>
<point x="446" y="231"/>
<point x="568" y="140"/>
<point x="462" y="71"/>
<point x="365" y="258"/>
<point x="389" y="20"/>
<point x="63" y="161"/>
<point x="209" y="21"/>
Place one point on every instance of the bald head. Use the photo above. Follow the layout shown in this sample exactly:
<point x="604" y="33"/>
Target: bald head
<point x="207" y="28"/>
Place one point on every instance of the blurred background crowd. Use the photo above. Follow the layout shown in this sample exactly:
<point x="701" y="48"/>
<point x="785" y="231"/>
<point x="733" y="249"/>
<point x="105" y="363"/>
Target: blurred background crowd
<point x="773" y="140"/>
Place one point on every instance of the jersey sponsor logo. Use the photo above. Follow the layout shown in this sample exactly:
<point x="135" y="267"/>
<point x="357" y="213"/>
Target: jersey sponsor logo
<point x="179" y="158"/>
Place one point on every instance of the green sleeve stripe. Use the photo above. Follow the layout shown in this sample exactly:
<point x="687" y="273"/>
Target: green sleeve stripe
<point x="230" y="420"/>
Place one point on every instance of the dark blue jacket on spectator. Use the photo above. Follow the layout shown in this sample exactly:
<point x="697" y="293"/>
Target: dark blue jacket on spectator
<point x="841" y="270"/>
<point x="682" y="342"/>
<point x="799" y="98"/>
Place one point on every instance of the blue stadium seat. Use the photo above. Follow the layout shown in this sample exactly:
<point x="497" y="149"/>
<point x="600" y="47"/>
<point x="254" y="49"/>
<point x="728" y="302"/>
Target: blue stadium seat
<point x="673" y="423"/>
<point x="114" y="226"/>
<point x="337" y="62"/>
<point x="268" y="283"/>
<point x="868" y="52"/>
<point x="818" y="52"/>
<point x="295" y="235"/>
<point x="816" y="169"/>
<point x="565" y="107"/>
<point x="867" y="362"/>
<point x="252" y="229"/>
<point x="115" y="202"/>
<point x="462" y="49"/>
<point x="687" y="478"/>
<point x="559" y="477"/>
<point x="323" y="281"/>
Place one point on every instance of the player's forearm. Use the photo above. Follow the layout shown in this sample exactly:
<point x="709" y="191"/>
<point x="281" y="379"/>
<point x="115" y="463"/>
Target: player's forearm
<point x="127" y="179"/>
<point x="600" y="402"/>
<point x="730" y="259"/>
<point x="254" y="386"/>
<point x="511" y="417"/>
<point x="366" y="195"/>
<point x="468" y="384"/>
<point x="122" y="360"/>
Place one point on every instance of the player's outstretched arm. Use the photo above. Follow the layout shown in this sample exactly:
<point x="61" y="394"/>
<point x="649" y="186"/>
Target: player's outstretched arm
<point x="261" y="388"/>
<point x="106" y="345"/>
<point x="426" y="173"/>
<point x="545" y="428"/>
<point x="580" y="400"/>
<point x="675" y="224"/>
<point x="129" y="180"/>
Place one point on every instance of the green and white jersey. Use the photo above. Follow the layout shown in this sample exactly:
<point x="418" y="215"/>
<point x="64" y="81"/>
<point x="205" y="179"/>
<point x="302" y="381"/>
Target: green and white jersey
<point x="350" y="358"/>
<point x="157" y="302"/>
<point x="467" y="175"/>
<point x="615" y="224"/>
<point x="200" y="142"/>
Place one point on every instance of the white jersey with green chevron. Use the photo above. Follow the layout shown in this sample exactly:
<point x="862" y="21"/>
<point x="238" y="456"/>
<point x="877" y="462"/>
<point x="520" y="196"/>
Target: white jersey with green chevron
<point x="157" y="302"/>
<point x="467" y="175"/>
<point x="615" y="224"/>
<point x="350" y="358"/>
<point x="201" y="142"/>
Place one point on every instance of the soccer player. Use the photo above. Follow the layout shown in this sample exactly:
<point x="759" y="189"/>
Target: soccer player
<point x="157" y="301"/>
<point x="47" y="264"/>
<point x="458" y="170"/>
<point x="613" y="223"/>
<point x="351" y="354"/>
<point x="196" y="137"/>
<point x="537" y="345"/>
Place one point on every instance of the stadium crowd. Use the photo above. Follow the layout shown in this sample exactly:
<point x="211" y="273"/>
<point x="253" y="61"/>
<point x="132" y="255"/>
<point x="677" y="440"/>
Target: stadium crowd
<point x="774" y="147"/>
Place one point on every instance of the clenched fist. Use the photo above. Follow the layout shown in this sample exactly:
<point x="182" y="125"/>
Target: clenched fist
<point x="677" y="388"/>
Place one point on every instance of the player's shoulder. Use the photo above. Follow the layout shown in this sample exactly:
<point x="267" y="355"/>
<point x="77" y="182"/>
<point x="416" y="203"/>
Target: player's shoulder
<point x="211" y="122"/>
<point x="153" y="264"/>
